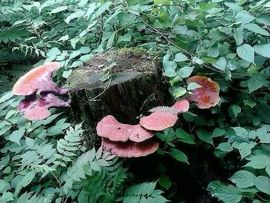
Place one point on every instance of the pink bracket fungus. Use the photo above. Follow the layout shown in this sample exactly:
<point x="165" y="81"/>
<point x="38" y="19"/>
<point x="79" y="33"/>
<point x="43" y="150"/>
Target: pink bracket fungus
<point x="125" y="140"/>
<point x="180" y="106"/>
<point x="110" y="128"/>
<point x="130" y="149"/>
<point x="38" y="108"/>
<point x="158" y="121"/>
<point x="38" y="87"/>
<point x="38" y="79"/>
<point x="205" y="96"/>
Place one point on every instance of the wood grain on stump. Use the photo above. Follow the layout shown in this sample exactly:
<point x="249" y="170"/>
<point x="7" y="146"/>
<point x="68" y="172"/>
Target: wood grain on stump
<point x="124" y="83"/>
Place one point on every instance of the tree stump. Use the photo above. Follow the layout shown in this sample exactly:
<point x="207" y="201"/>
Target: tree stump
<point x="123" y="83"/>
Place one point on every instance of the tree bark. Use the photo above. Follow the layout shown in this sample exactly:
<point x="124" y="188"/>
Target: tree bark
<point x="124" y="83"/>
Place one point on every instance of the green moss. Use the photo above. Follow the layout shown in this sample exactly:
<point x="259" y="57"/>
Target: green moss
<point x="127" y="60"/>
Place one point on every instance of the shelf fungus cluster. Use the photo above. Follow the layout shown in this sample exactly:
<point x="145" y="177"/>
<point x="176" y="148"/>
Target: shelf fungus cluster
<point x="125" y="140"/>
<point x="207" y="95"/>
<point x="40" y="92"/>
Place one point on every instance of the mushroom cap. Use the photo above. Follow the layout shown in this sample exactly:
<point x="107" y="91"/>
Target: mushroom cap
<point x="129" y="149"/>
<point x="207" y="95"/>
<point x="139" y="134"/>
<point x="181" y="106"/>
<point x="39" y="78"/>
<point x="158" y="121"/>
<point x="38" y="108"/>
<point x="112" y="129"/>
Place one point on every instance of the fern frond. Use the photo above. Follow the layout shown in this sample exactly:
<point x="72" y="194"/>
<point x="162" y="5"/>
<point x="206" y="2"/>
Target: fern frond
<point x="69" y="146"/>
<point x="86" y="165"/>
<point x="39" y="158"/>
<point x="13" y="34"/>
<point x="144" y="192"/>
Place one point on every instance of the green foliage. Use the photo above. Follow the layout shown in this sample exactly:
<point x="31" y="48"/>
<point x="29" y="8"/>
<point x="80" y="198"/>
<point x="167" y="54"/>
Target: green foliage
<point x="47" y="161"/>
<point x="144" y="192"/>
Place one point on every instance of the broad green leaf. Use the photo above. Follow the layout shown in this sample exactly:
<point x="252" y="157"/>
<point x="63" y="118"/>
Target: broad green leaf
<point x="53" y="52"/>
<point x="263" y="49"/>
<point x="220" y="64"/>
<point x="193" y="86"/>
<point x="169" y="68"/>
<point x="226" y="193"/>
<point x="258" y="161"/>
<point x="205" y="136"/>
<point x="213" y="52"/>
<point x="225" y="147"/>
<point x="16" y="135"/>
<point x="177" y="91"/>
<point x="246" y="52"/>
<point x="264" y="20"/>
<point x="184" y="136"/>
<point x="218" y="132"/>
<point x="238" y="36"/>
<point x="243" y="179"/>
<point x="244" y="17"/>
<point x="256" y="29"/>
<point x="256" y="82"/>
<point x="242" y="132"/>
<point x="165" y="181"/>
<point x="185" y="71"/>
<point x="262" y="183"/>
<point x="179" y="155"/>
<point x="179" y="57"/>
<point x="245" y="149"/>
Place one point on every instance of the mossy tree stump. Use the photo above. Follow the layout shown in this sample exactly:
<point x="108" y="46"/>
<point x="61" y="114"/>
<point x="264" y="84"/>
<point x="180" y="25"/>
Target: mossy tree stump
<point x="124" y="83"/>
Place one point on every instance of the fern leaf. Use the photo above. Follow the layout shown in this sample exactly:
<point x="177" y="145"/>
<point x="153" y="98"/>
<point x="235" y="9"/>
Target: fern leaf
<point x="144" y="192"/>
<point x="67" y="147"/>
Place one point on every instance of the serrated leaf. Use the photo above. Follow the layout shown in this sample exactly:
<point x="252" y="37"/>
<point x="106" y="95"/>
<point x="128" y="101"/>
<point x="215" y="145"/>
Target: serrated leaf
<point x="226" y="193"/>
<point x="16" y="135"/>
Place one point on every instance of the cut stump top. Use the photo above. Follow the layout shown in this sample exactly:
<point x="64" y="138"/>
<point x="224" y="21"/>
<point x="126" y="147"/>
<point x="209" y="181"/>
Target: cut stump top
<point x="116" y="66"/>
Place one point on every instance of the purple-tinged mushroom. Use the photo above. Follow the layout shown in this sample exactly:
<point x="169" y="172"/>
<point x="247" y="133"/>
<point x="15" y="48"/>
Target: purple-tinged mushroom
<point x="38" y="108"/>
<point x="38" y="79"/>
